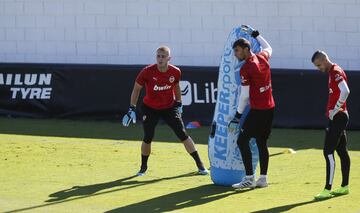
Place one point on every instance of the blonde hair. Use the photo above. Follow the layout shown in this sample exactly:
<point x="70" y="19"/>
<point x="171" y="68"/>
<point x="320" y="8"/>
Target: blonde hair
<point x="164" y="49"/>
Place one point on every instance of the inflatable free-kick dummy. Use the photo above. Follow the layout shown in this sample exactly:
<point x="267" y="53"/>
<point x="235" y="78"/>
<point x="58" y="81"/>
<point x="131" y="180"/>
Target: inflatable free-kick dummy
<point x="225" y="160"/>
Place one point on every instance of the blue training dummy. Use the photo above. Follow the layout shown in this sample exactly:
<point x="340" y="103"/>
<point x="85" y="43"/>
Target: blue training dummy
<point x="224" y="155"/>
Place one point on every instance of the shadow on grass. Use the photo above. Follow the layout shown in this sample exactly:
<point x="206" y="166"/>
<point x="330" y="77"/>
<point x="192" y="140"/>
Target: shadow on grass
<point x="180" y="200"/>
<point x="82" y="192"/>
<point x="92" y="129"/>
<point x="87" y="190"/>
<point x="288" y="138"/>
<point x="276" y="154"/>
<point x="288" y="207"/>
<point x="76" y="191"/>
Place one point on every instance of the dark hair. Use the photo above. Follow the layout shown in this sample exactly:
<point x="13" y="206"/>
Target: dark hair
<point x="242" y="42"/>
<point x="317" y="54"/>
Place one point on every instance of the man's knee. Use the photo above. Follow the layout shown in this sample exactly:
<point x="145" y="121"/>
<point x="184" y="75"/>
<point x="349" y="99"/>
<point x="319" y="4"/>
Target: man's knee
<point x="342" y="153"/>
<point x="182" y="134"/>
<point x="149" y="130"/>
<point x="243" y="138"/>
<point x="148" y="139"/>
<point x="328" y="151"/>
<point x="261" y="143"/>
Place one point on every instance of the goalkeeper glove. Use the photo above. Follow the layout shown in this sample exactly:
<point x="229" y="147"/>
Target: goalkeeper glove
<point x="129" y="116"/>
<point x="235" y="122"/>
<point x="178" y="106"/>
<point x="249" y="30"/>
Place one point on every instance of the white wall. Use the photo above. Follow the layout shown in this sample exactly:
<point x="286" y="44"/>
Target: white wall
<point x="128" y="31"/>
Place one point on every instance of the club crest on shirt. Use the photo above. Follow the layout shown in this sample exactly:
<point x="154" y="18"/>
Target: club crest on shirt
<point x="144" y="117"/>
<point x="338" y="77"/>
<point x="172" y="79"/>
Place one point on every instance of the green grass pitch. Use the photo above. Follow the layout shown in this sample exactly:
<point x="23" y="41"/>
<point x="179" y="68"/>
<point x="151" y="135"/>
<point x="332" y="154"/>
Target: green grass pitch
<point x="78" y="166"/>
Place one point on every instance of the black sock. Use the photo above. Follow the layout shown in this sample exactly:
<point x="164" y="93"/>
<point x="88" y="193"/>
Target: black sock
<point x="196" y="157"/>
<point x="144" y="159"/>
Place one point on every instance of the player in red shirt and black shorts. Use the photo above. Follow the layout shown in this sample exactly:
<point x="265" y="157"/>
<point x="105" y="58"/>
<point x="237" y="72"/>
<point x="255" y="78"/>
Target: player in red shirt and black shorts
<point x="162" y="100"/>
<point x="335" y="137"/>
<point x="255" y="86"/>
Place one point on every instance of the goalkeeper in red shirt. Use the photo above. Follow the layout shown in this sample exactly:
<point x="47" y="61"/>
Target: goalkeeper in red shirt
<point x="162" y="100"/>
<point x="338" y="116"/>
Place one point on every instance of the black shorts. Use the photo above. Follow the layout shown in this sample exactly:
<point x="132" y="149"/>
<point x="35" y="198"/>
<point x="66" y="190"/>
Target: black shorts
<point x="170" y="116"/>
<point x="334" y="131"/>
<point x="258" y="123"/>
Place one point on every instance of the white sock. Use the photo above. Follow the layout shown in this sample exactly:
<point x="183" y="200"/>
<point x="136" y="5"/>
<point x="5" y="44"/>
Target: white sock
<point x="249" y="176"/>
<point x="263" y="176"/>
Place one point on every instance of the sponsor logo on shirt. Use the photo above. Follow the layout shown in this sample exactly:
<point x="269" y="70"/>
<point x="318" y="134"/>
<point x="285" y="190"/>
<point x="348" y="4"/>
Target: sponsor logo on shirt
<point x="161" y="88"/>
<point x="265" y="88"/>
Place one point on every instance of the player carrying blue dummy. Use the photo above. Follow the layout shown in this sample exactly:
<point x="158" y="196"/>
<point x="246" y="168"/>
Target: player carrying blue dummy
<point x="240" y="127"/>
